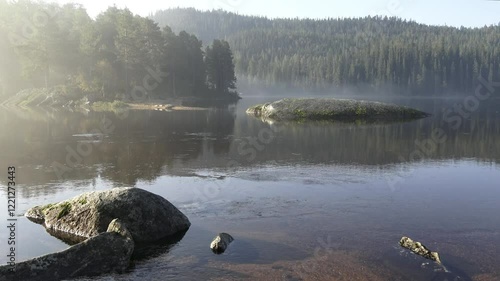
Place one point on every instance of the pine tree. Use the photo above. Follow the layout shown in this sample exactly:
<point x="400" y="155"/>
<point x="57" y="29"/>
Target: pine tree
<point x="220" y="67"/>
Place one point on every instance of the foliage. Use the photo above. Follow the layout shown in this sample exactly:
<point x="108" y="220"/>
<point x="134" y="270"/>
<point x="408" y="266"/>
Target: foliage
<point x="370" y="51"/>
<point x="44" y="45"/>
<point x="220" y="66"/>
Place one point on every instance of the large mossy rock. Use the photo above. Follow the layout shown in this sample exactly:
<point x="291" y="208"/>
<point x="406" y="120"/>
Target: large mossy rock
<point x="148" y="217"/>
<point x="332" y="109"/>
<point x="108" y="252"/>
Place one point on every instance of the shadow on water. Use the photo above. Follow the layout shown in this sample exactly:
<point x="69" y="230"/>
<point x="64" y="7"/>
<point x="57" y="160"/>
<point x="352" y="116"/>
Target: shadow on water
<point x="242" y="250"/>
<point x="192" y="259"/>
<point x="216" y="103"/>
<point x="449" y="273"/>
<point x="341" y="122"/>
<point x="412" y="265"/>
<point x="144" y="251"/>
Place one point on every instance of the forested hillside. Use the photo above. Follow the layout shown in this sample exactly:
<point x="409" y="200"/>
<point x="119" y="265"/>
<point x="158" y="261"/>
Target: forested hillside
<point x="118" y="55"/>
<point x="372" y="51"/>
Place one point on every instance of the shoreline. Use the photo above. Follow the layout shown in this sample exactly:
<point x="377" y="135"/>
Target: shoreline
<point x="162" y="107"/>
<point x="176" y="104"/>
<point x="44" y="98"/>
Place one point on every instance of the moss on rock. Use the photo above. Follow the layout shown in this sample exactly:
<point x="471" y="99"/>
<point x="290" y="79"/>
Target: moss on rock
<point x="332" y="109"/>
<point x="148" y="217"/>
<point x="65" y="208"/>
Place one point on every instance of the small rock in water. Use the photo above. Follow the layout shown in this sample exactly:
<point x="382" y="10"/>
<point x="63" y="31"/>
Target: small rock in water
<point x="220" y="243"/>
<point x="419" y="249"/>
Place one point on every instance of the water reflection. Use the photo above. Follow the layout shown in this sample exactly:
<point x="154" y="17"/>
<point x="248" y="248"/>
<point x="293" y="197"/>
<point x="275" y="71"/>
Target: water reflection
<point x="310" y="181"/>
<point x="149" y="144"/>
<point x="140" y="147"/>
<point x="146" y="251"/>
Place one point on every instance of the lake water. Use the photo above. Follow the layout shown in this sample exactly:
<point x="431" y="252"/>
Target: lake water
<point x="304" y="201"/>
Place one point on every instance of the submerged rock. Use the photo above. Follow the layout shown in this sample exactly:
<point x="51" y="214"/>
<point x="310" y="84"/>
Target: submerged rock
<point x="419" y="249"/>
<point x="332" y="109"/>
<point x="220" y="243"/>
<point x="108" y="252"/>
<point x="147" y="216"/>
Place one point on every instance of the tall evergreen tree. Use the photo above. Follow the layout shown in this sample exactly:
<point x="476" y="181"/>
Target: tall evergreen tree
<point x="220" y="67"/>
<point x="374" y="51"/>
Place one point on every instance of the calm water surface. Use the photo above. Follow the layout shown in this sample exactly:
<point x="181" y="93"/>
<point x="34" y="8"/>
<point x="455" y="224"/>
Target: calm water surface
<point x="309" y="201"/>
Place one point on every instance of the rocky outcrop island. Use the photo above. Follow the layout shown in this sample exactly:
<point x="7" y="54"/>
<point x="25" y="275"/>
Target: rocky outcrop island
<point x="291" y="109"/>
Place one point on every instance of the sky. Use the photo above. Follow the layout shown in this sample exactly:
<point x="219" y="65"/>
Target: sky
<point x="468" y="13"/>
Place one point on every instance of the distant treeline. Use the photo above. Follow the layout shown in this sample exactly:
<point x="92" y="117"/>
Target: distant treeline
<point x="373" y="51"/>
<point x="117" y="55"/>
